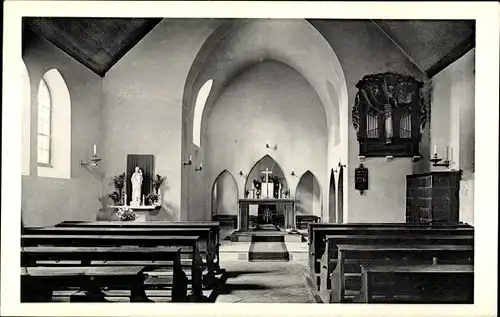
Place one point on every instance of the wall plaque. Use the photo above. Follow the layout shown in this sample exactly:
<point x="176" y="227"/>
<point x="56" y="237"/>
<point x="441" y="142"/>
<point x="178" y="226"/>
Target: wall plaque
<point x="361" y="178"/>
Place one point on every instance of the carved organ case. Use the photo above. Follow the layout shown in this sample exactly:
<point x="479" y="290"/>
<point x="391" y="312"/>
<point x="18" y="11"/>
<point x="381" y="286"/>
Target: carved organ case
<point x="389" y="115"/>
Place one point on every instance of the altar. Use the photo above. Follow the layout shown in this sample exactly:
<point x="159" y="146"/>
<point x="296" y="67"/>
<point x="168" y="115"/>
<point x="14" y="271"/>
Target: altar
<point x="283" y="206"/>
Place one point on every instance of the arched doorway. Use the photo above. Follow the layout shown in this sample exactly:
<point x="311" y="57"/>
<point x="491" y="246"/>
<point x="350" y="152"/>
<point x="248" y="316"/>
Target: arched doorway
<point x="308" y="196"/>
<point x="340" y="201"/>
<point x="332" y="207"/>
<point x="224" y="205"/>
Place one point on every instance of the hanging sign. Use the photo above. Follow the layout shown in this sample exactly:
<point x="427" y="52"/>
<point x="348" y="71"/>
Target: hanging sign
<point x="361" y="178"/>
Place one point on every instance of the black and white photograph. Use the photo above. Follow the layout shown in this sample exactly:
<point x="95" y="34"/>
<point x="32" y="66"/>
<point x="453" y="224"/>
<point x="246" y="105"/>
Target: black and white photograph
<point x="258" y="155"/>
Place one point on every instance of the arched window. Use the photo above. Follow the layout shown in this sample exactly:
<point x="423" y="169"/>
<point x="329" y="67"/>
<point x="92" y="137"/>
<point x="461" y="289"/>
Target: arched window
<point x="54" y="127"/>
<point x="201" y="100"/>
<point x="44" y="123"/>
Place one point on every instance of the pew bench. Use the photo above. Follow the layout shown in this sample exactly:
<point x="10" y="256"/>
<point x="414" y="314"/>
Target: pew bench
<point x="123" y="256"/>
<point x="329" y="259"/>
<point x="207" y="242"/>
<point x="38" y="283"/>
<point x="213" y="239"/>
<point x="317" y="233"/>
<point x="423" y="284"/>
<point x="351" y="257"/>
<point x="189" y="245"/>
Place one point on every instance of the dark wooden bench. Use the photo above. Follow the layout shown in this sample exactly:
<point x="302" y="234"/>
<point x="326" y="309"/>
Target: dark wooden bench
<point x="228" y="221"/>
<point x="189" y="245"/>
<point x="38" y="283"/>
<point x="125" y="256"/>
<point x="213" y="239"/>
<point x="207" y="247"/>
<point x="423" y="284"/>
<point x="306" y="219"/>
<point x="330" y="256"/>
<point x="351" y="257"/>
<point x="318" y="231"/>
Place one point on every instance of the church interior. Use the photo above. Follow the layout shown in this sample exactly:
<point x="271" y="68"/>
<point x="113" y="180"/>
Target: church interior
<point x="247" y="160"/>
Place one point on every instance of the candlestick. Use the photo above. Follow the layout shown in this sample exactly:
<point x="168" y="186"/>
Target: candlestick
<point x="125" y="202"/>
<point x="435" y="150"/>
<point x="95" y="150"/>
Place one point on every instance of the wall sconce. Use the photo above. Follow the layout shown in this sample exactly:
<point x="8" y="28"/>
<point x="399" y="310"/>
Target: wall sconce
<point x="274" y="147"/>
<point x="435" y="159"/>
<point x="200" y="168"/>
<point x="293" y="173"/>
<point x="189" y="161"/>
<point x="241" y="173"/>
<point x="93" y="161"/>
<point x="340" y="165"/>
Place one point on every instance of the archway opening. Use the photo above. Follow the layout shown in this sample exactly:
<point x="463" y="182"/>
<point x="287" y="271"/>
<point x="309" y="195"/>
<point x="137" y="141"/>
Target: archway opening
<point x="225" y="200"/>
<point x="308" y="196"/>
<point x="340" y="201"/>
<point x="332" y="207"/>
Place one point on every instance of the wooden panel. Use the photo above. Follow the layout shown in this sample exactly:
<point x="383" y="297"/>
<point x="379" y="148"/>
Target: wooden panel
<point x="97" y="43"/>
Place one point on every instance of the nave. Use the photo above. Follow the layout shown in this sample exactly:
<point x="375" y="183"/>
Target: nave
<point x="156" y="262"/>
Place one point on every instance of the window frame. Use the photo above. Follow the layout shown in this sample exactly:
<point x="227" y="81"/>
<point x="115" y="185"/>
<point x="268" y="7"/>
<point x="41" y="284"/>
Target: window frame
<point x="49" y="164"/>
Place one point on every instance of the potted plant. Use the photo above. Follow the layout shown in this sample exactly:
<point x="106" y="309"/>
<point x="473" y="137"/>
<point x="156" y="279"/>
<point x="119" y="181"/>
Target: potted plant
<point x="152" y="198"/>
<point x="119" y="184"/>
<point x="157" y="181"/>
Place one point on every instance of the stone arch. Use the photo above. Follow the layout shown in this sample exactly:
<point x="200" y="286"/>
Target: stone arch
<point x="61" y="127"/>
<point x="332" y="200"/>
<point x="340" y="195"/>
<point x="224" y="195"/>
<point x="308" y="195"/>
<point x="269" y="162"/>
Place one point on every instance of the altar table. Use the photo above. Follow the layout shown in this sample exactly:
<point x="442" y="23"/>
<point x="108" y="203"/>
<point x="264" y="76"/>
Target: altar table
<point x="288" y="208"/>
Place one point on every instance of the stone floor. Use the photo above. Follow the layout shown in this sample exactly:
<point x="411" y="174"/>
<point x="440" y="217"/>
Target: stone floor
<point x="265" y="282"/>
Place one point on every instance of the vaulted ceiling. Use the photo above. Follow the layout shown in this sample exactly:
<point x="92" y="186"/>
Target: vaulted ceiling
<point x="98" y="43"/>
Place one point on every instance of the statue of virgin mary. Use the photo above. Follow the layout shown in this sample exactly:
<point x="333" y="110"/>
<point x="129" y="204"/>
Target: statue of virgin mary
<point x="136" y="180"/>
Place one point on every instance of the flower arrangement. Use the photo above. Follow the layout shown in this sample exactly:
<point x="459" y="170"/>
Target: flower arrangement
<point x="119" y="184"/>
<point x="157" y="181"/>
<point x="125" y="214"/>
<point x="152" y="198"/>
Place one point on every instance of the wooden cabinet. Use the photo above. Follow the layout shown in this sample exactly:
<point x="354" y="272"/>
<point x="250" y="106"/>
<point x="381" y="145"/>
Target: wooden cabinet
<point x="433" y="197"/>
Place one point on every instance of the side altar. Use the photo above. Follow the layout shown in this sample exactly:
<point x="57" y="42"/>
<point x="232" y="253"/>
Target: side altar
<point x="142" y="213"/>
<point x="282" y="207"/>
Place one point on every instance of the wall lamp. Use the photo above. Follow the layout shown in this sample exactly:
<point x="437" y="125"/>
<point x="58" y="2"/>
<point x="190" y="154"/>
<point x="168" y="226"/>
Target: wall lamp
<point x="189" y="161"/>
<point x="293" y="173"/>
<point x="200" y="168"/>
<point x="274" y="147"/>
<point x="241" y="173"/>
<point x="93" y="161"/>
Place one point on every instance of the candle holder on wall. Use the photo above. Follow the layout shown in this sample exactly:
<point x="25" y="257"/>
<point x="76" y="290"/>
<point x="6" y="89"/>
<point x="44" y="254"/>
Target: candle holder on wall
<point x="93" y="161"/>
<point x="435" y="161"/>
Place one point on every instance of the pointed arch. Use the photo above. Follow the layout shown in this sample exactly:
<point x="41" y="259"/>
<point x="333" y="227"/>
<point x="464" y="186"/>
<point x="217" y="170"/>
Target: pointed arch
<point x="340" y="194"/>
<point x="224" y="195"/>
<point x="308" y="195"/>
<point x="59" y="126"/>
<point x="26" y="122"/>
<point x="201" y="100"/>
<point x="266" y="161"/>
<point x="332" y="199"/>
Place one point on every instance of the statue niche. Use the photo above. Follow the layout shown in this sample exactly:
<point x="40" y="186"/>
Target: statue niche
<point x="389" y="115"/>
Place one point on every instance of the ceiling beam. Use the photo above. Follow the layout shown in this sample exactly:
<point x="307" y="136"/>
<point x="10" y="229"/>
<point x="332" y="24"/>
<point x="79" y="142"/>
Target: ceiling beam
<point x="400" y="48"/>
<point x="459" y="51"/>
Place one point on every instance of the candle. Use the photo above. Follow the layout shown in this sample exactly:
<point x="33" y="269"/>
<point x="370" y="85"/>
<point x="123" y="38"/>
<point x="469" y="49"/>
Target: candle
<point x="190" y="157"/>
<point x="95" y="150"/>
<point x="435" y="150"/>
<point x="201" y="164"/>
<point x="446" y="153"/>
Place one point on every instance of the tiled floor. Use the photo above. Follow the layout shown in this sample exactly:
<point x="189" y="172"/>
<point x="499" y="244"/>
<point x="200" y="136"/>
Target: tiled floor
<point x="265" y="282"/>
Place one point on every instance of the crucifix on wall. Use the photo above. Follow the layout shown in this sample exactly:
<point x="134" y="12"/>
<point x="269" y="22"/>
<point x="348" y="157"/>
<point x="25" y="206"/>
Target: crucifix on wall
<point x="267" y="172"/>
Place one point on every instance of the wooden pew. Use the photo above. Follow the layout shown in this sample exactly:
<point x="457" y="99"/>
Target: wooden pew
<point x="427" y="283"/>
<point x="38" y="283"/>
<point x="189" y="244"/>
<point x="207" y="247"/>
<point x="36" y="256"/>
<point x="318" y="231"/>
<point x="307" y="219"/>
<point x="330" y="256"/>
<point x="212" y="225"/>
<point x="351" y="257"/>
